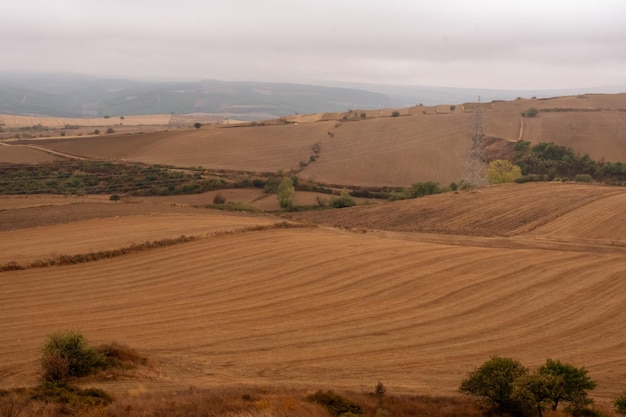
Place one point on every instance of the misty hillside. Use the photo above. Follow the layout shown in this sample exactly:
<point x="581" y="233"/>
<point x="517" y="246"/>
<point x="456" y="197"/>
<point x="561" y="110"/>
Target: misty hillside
<point x="69" y="95"/>
<point x="83" y="96"/>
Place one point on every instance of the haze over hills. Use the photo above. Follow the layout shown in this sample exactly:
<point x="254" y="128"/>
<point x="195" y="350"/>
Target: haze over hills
<point x="72" y="95"/>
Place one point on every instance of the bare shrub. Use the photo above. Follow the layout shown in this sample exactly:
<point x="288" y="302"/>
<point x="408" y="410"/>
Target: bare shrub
<point x="13" y="404"/>
<point x="219" y="199"/>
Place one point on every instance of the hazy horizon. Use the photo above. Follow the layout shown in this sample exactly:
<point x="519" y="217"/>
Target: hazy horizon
<point x="486" y="44"/>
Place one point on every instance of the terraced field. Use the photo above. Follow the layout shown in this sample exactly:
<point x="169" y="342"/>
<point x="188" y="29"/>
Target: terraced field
<point x="415" y="294"/>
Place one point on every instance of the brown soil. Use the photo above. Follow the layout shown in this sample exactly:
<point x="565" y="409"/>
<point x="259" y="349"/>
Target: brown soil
<point x="532" y="271"/>
<point x="423" y="144"/>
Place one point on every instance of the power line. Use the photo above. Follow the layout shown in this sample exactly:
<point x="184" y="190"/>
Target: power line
<point x="475" y="165"/>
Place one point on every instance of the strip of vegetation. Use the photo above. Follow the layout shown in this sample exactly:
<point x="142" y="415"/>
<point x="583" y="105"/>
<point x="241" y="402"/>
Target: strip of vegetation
<point x="90" y="177"/>
<point x="95" y="256"/>
<point x="136" y="247"/>
<point x="547" y="161"/>
<point x="232" y="206"/>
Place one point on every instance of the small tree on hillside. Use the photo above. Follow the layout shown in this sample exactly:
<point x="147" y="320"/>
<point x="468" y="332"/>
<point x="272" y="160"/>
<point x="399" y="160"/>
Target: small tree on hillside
<point x="493" y="381"/>
<point x="286" y="193"/>
<point x="197" y="125"/>
<point x="502" y="171"/>
<point x="569" y="384"/>
<point x="533" y="390"/>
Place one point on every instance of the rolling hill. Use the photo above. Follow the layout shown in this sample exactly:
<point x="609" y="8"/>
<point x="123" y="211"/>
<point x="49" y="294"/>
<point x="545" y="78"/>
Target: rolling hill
<point x="528" y="271"/>
<point x="368" y="147"/>
<point x="413" y="293"/>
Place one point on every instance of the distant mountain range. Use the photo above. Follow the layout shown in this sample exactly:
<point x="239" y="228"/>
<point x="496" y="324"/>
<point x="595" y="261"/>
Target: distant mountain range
<point x="69" y="95"/>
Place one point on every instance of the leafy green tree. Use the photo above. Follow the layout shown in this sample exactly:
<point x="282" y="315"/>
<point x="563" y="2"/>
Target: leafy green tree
<point x="502" y="171"/>
<point x="620" y="403"/>
<point x="286" y="193"/>
<point x="569" y="384"/>
<point x="493" y="381"/>
<point x="533" y="390"/>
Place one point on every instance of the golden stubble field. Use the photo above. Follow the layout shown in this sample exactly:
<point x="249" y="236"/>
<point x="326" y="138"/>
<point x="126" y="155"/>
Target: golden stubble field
<point x="338" y="305"/>
<point x="422" y="144"/>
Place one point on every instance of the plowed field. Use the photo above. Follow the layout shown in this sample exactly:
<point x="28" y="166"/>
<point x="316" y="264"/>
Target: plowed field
<point x="530" y="272"/>
<point x="422" y="144"/>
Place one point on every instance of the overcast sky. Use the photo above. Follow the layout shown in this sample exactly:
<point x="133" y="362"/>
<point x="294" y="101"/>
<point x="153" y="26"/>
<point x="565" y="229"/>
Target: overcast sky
<point x="506" y="44"/>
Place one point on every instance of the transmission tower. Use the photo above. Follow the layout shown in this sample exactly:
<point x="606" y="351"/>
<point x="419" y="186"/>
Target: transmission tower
<point x="475" y="165"/>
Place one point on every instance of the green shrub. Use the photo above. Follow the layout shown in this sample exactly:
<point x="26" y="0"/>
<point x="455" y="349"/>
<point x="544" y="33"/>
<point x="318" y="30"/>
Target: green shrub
<point x="583" y="178"/>
<point x="620" y="403"/>
<point x="343" y="200"/>
<point x="67" y="355"/>
<point x="335" y="403"/>
<point x="531" y="112"/>
<point x="395" y="114"/>
<point x="419" y="189"/>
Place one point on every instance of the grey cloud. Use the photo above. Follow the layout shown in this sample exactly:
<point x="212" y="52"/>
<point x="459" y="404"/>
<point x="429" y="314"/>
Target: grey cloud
<point x="483" y="43"/>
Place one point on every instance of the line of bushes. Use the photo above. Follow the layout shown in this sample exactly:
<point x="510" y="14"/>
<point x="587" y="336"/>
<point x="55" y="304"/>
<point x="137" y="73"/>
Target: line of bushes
<point x="95" y="256"/>
<point x="547" y="161"/>
<point x="137" y="247"/>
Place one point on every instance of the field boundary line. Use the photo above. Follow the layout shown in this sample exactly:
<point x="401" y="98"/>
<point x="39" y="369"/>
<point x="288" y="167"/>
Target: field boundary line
<point x="60" y="260"/>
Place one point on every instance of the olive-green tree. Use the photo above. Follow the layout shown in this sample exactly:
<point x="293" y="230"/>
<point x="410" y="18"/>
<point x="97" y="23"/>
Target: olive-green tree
<point x="493" y="381"/>
<point x="286" y="193"/>
<point x="568" y="384"/>
<point x="501" y="171"/>
<point x="533" y="391"/>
